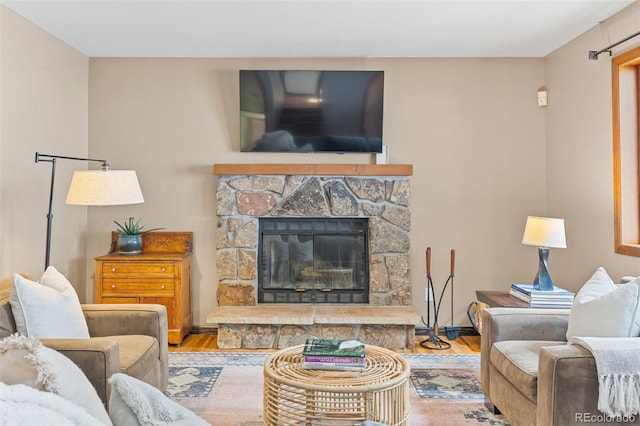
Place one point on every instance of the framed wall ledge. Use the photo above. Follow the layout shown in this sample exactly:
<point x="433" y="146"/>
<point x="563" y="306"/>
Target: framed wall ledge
<point x="315" y="169"/>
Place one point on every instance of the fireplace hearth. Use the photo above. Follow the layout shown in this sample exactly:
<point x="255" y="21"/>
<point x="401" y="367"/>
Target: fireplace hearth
<point x="313" y="260"/>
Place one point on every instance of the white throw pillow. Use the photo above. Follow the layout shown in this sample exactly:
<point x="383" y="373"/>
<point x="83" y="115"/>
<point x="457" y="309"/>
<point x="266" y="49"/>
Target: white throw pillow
<point x="134" y="402"/>
<point x="603" y="309"/>
<point x="25" y="360"/>
<point x="49" y="309"/>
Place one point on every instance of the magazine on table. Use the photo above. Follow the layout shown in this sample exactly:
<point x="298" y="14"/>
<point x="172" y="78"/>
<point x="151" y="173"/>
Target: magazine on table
<point x="324" y="354"/>
<point x="529" y="290"/>
<point x="560" y="299"/>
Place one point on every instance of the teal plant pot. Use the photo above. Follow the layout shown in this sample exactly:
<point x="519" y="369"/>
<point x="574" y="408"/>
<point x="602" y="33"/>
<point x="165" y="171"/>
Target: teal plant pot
<point x="130" y="245"/>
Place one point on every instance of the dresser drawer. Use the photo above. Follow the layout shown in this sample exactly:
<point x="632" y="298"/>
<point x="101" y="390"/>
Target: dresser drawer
<point x="137" y="287"/>
<point x="129" y="300"/>
<point x="130" y="269"/>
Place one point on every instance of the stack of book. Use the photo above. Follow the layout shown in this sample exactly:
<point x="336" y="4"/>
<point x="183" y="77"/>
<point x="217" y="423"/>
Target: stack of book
<point x="556" y="298"/>
<point x="322" y="354"/>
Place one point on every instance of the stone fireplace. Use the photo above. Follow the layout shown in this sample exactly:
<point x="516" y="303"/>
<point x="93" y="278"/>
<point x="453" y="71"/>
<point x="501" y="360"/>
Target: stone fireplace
<point x="249" y="193"/>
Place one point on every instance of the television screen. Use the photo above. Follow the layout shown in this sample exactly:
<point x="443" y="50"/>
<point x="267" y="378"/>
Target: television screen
<point x="311" y="111"/>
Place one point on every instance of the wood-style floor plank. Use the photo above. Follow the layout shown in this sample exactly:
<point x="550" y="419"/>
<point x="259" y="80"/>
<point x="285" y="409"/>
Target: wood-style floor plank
<point x="207" y="342"/>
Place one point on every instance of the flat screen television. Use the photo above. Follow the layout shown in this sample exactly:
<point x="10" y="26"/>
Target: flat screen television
<point x="311" y="111"/>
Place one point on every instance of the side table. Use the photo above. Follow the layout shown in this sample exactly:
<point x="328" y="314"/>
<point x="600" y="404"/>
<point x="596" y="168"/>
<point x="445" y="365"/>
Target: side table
<point x="492" y="299"/>
<point x="294" y="395"/>
<point x="500" y="299"/>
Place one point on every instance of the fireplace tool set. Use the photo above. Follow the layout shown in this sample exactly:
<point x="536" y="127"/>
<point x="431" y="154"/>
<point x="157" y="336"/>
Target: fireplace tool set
<point x="434" y="341"/>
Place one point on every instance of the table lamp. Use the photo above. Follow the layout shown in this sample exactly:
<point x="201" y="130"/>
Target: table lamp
<point x="92" y="188"/>
<point x="545" y="233"/>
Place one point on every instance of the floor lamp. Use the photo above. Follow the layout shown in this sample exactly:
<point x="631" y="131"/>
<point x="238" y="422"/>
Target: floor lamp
<point x="92" y="188"/>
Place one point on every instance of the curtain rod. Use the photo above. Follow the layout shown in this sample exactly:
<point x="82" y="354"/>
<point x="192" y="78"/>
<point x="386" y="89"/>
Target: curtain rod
<point x="593" y="55"/>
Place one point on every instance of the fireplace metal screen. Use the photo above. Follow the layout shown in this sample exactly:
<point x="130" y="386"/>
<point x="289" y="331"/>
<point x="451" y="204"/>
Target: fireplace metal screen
<point x="313" y="260"/>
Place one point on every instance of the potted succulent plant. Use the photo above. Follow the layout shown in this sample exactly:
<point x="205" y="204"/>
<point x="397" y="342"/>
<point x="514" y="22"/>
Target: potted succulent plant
<point x="130" y="239"/>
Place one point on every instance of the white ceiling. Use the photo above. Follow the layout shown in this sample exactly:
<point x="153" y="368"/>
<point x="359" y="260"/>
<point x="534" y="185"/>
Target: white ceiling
<point x="317" y="28"/>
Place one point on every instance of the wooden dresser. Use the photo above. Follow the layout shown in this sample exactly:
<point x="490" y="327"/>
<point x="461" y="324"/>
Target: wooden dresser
<point x="161" y="275"/>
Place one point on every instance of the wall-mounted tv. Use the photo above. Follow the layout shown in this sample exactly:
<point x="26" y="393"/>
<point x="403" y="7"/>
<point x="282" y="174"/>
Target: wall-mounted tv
<point x="311" y="111"/>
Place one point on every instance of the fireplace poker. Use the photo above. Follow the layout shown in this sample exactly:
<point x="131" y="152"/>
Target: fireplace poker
<point x="434" y="341"/>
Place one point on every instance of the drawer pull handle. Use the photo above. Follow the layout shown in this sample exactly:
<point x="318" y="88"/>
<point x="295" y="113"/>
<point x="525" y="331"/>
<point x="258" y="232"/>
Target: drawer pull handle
<point x="113" y="269"/>
<point x="113" y="286"/>
<point x="162" y="286"/>
<point x="163" y="269"/>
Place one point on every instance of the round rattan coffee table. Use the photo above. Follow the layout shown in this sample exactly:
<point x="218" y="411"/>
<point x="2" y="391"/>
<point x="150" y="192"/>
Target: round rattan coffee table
<point x="297" y="396"/>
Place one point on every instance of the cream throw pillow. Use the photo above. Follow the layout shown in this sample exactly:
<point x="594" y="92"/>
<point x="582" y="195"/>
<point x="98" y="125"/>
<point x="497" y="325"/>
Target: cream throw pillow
<point x="25" y="360"/>
<point x="49" y="309"/>
<point x="603" y="309"/>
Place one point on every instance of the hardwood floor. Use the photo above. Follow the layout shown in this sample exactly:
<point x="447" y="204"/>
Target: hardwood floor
<point x="206" y="342"/>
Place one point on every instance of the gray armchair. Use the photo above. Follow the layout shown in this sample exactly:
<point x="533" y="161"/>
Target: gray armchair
<point x="532" y="376"/>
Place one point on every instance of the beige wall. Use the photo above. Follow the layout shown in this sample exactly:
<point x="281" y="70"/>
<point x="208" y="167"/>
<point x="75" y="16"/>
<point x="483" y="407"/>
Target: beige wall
<point x="579" y="157"/>
<point x="485" y="155"/>
<point x="470" y="127"/>
<point x="43" y="100"/>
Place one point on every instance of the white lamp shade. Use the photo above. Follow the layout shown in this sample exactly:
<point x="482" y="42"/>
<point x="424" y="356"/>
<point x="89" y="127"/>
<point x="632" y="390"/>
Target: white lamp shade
<point x="544" y="232"/>
<point x="104" y="188"/>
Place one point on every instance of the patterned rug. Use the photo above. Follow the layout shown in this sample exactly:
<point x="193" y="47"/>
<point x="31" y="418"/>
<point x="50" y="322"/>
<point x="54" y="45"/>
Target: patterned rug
<point x="226" y="388"/>
<point x="194" y="374"/>
<point x="446" y="384"/>
<point x="446" y="376"/>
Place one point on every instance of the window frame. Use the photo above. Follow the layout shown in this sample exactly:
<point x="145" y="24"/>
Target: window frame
<point x="626" y="139"/>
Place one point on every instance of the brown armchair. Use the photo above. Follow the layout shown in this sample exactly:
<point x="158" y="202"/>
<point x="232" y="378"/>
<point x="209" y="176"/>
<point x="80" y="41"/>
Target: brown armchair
<point x="125" y="338"/>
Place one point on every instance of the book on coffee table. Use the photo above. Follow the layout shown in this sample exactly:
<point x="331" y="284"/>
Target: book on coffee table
<point x="351" y="365"/>
<point x="323" y="354"/>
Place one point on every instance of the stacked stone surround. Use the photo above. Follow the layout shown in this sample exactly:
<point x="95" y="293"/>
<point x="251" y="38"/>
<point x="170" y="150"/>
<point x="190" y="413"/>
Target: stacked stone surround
<point x="243" y="198"/>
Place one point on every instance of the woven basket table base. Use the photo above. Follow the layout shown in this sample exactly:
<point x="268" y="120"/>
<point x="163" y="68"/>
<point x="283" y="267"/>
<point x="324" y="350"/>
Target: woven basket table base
<point x="297" y="396"/>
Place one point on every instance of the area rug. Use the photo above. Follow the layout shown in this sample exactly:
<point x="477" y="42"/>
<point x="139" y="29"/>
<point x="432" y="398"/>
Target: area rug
<point x="225" y="388"/>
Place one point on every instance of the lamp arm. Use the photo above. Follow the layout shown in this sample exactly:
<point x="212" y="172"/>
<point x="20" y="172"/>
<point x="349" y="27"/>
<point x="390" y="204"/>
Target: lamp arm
<point x="52" y="159"/>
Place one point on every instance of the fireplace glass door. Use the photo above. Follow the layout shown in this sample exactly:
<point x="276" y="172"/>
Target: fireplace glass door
<point x="319" y="260"/>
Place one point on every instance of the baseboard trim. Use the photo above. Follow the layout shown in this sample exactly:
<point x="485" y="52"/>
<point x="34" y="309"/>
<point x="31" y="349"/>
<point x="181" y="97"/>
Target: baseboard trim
<point x="464" y="331"/>
<point x="420" y="331"/>
<point x="204" y="329"/>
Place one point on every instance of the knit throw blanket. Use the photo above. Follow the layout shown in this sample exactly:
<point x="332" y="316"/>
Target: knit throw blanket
<point x="618" y="366"/>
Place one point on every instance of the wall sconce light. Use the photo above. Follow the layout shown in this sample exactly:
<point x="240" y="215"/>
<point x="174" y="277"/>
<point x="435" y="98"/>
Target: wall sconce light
<point x="542" y="96"/>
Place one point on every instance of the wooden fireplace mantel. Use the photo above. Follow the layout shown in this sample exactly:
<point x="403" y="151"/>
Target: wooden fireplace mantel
<point x="315" y="169"/>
